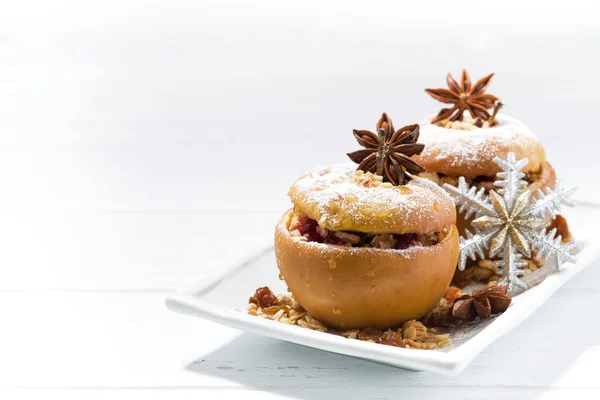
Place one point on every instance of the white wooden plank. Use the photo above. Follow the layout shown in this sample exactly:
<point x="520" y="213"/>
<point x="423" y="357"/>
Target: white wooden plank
<point x="121" y="340"/>
<point x="137" y="118"/>
<point x="121" y="251"/>
<point x="350" y="393"/>
<point x="135" y="176"/>
<point x="102" y="112"/>
<point x="137" y="251"/>
<point x="127" y="128"/>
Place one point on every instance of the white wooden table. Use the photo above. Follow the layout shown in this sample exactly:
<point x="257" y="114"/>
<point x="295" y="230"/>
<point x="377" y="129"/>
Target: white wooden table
<point x="146" y="146"/>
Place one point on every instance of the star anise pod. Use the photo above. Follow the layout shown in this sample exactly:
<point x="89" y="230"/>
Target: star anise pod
<point x="466" y="97"/>
<point x="388" y="152"/>
<point x="481" y="303"/>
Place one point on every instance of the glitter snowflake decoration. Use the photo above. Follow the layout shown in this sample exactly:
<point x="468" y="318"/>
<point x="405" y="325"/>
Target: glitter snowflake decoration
<point x="511" y="222"/>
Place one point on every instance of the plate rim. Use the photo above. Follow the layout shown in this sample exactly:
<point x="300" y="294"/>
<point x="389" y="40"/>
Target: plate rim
<point x="187" y="300"/>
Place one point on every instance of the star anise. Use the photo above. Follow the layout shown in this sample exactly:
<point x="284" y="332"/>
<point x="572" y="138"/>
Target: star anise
<point x="466" y="97"/>
<point x="388" y="152"/>
<point x="481" y="303"/>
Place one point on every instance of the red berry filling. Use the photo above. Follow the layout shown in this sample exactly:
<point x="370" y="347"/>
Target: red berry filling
<point x="310" y="229"/>
<point x="407" y="240"/>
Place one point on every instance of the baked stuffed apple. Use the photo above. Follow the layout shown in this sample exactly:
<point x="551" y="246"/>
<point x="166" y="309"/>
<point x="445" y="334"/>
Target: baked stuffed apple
<point x="369" y="247"/>
<point x="464" y="139"/>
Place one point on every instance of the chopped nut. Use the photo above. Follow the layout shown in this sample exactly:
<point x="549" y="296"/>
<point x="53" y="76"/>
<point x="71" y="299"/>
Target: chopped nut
<point x="482" y="274"/>
<point x="409" y="333"/>
<point x="488" y="264"/>
<point x="383" y="241"/>
<point x="350" y="334"/>
<point x="414" y="330"/>
<point x="462" y="278"/>
<point x="432" y="176"/>
<point x="287" y="310"/>
<point x="449" y="179"/>
<point x="348" y="237"/>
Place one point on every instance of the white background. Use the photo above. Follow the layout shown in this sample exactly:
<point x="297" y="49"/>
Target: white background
<point x="144" y="145"/>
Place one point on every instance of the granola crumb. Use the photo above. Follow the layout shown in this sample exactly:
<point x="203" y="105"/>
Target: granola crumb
<point x="285" y="309"/>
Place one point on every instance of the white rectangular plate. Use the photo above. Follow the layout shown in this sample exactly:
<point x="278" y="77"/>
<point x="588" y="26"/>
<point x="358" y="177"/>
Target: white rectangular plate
<point x="223" y="299"/>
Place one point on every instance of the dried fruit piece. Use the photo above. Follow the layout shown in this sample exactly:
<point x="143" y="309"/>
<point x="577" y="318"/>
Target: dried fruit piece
<point x="452" y="293"/>
<point x="287" y="310"/>
<point x="562" y="228"/>
<point x="407" y="240"/>
<point x="370" y="334"/>
<point x="391" y="338"/>
<point x="264" y="297"/>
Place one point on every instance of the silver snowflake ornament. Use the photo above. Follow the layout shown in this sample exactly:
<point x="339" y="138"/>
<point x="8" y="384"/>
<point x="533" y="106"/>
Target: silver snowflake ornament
<point x="510" y="223"/>
<point x="551" y="245"/>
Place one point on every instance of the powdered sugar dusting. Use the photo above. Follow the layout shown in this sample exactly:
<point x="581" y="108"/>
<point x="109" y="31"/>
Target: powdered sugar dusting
<point x="468" y="147"/>
<point x="333" y="197"/>
<point x="408" y="253"/>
